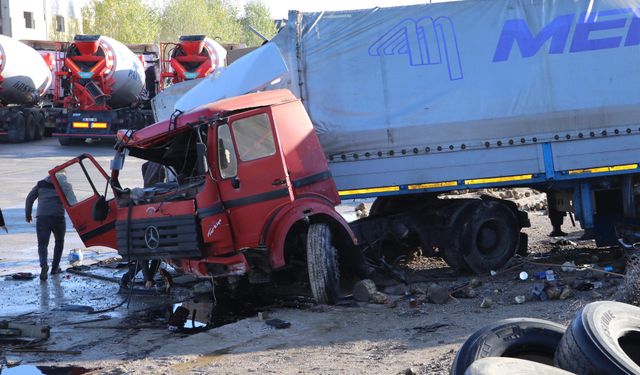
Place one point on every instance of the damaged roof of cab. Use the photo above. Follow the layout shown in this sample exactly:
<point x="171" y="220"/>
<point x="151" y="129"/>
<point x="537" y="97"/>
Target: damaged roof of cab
<point x="161" y="131"/>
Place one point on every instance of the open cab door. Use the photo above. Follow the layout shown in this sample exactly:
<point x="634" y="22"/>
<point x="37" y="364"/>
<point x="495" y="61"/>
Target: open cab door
<point x="82" y="186"/>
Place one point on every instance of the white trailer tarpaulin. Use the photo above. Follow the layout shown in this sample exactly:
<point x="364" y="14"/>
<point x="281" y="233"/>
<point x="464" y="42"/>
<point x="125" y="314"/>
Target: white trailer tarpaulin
<point x="464" y="73"/>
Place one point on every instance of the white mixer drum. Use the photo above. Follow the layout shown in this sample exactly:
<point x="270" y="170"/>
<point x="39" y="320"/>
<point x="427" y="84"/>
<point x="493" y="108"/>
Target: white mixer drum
<point x="125" y="69"/>
<point x="25" y="75"/>
<point x="217" y="53"/>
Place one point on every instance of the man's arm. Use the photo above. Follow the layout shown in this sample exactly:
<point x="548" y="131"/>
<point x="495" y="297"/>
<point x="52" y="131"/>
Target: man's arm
<point x="68" y="192"/>
<point x="28" y="207"/>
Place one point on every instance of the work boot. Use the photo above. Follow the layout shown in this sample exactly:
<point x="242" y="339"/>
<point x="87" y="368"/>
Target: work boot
<point x="557" y="233"/>
<point x="56" y="270"/>
<point x="43" y="272"/>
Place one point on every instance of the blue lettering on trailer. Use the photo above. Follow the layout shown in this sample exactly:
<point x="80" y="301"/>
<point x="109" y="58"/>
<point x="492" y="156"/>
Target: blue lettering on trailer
<point x="517" y="31"/>
<point x="426" y="41"/>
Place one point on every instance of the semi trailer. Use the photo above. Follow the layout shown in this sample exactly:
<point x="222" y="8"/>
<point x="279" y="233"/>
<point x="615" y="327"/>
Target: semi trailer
<point x="25" y="79"/>
<point x="401" y="104"/>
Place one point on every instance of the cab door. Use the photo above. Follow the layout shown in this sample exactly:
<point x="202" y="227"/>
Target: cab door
<point x="80" y="183"/>
<point x="254" y="181"/>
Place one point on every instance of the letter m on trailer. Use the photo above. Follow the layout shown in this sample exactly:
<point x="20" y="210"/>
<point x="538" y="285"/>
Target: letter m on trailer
<point x="426" y="41"/>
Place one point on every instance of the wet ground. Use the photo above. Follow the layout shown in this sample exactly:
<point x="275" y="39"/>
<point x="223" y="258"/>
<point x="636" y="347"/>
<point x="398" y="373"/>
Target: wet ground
<point x="135" y="334"/>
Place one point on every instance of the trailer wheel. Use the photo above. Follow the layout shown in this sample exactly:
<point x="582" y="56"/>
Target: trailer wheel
<point x="491" y="237"/>
<point x="17" y="130"/>
<point x="322" y="264"/>
<point x="32" y="127"/>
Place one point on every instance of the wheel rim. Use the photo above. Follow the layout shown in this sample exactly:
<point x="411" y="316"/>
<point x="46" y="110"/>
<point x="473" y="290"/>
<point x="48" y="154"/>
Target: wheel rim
<point x="488" y="237"/>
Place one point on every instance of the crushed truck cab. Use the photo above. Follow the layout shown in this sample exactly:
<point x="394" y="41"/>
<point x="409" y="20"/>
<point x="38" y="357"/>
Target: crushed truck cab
<point x="248" y="197"/>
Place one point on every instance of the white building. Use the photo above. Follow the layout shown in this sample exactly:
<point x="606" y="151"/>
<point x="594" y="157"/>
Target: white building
<point x="41" y="19"/>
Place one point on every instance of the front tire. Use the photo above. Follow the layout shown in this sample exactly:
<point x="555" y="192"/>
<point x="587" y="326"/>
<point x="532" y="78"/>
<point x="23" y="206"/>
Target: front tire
<point x="322" y="263"/>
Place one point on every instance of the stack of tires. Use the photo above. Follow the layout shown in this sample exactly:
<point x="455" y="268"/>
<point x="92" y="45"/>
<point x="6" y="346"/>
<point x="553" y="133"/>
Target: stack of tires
<point x="603" y="338"/>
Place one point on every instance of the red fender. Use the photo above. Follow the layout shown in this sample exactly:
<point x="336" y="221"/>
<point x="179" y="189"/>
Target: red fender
<point x="279" y="226"/>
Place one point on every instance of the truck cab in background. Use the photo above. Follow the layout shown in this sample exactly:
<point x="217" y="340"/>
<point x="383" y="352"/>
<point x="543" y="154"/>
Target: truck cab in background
<point x="253" y="195"/>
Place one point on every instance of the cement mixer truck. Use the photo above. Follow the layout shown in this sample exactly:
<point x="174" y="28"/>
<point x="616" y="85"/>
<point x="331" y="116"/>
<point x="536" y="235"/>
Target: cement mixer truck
<point x="25" y="79"/>
<point x="102" y="90"/>
<point x="194" y="56"/>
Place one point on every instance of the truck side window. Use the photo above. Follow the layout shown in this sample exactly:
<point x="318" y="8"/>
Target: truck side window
<point x="254" y="137"/>
<point x="226" y="153"/>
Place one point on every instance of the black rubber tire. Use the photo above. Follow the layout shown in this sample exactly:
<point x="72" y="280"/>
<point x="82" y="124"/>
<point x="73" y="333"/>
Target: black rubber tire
<point x="40" y="132"/>
<point x="17" y="129"/>
<point x="32" y="126"/>
<point x="603" y="338"/>
<point x="68" y="141"/>
<point x="322" y="264"/>
<point x="496" y="366"/>
<point x="523" y="338"/>
<point x="490" y="237"/>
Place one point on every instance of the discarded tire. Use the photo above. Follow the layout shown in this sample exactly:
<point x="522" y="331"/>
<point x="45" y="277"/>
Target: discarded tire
<point x="603" y="338"/>
<point x="492" y="236"/>
<point x="493" y="366"/>
<point x="322" y="263"/>
<point x="523" y="338"/>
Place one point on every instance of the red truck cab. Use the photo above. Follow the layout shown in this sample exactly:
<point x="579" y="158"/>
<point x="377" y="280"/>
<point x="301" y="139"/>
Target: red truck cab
<point x="252" y="195"/>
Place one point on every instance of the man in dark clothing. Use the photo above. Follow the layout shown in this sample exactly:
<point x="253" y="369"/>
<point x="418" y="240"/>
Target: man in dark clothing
<point x="2" y="224"/>
<point x="50" y="218"/>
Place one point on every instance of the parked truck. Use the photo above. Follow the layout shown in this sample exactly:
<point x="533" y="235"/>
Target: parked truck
<point x="193" y="57"/>
<point x="401" y="104"/>
<point x="25" y="79"/>
<point x="102" y="90"/>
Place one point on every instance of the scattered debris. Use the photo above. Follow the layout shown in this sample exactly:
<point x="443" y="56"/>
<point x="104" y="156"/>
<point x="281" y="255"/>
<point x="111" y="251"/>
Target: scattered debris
<point x="361" y="211"/>
<point x="74" y="308"/>
<point x="437" y="294"/>
<point x="410" y="371"/>
<point x="23" y="330"/>
<point x="520" y="299"/>
<point x="561" y="241"/>
<point x="75" y="257"/>
<point x="23" y="276"/>
<point x="567" y="293"/>
<point x="552" y="292"/>
<point x="486" y="303"/>
<point x="12" y="360"/>
<point x="568" y="266"/>
<point x="277" y="323"/>
<point x="365" y="291"/>
<point x="430" y="328"/>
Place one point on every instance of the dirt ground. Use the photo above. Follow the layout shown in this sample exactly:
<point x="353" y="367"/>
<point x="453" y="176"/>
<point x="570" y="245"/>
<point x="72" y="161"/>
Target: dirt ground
<point x="408" y="332"/>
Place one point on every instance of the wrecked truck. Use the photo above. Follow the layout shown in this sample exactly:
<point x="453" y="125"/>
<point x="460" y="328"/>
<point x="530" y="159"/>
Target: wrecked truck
<point x="398" y="104"/>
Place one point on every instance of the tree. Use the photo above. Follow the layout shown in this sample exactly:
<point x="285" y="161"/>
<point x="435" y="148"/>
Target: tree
<point x="128" y="21"/>
<point x="257" y="15"/>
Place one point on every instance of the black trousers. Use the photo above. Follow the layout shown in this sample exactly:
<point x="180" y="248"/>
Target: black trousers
<point x="45" y="225"/>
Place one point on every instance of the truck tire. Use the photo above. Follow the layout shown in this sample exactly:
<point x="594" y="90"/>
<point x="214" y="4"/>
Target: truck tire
<point x="493" y="366"/>
<point x="32" y="126"/>
<point x="68" y="141"/>
<point x="603" y="338"/>
<point x="322" y="264"/>
<point x="523" y="338"/>
<point x="17" y="130"/>
<point x="40" y="133"/>
<point x="490" y="237"/>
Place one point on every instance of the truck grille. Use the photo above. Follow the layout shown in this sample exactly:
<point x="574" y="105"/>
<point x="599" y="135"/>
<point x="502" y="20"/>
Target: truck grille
<point x="173" y="237"/>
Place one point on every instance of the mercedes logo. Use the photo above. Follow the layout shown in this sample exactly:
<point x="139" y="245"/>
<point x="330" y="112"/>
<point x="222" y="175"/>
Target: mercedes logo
<point x="152" y="237"/>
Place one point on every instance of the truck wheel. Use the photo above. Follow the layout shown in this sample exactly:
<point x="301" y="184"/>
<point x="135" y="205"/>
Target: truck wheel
<point x="32" y="127"/>
<point x="491" y="237"/>
<point x="17" y="130"/>
<point x="322" y="264"/>
<point x="523" y="338"/>
<point x="40" y="132"/>
<point x="68" y="141"/>
<point x="603" y="338"/>
<point x="492" y="366"/>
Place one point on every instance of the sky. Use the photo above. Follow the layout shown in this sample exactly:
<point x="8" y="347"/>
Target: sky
<point x="280" y="8"/>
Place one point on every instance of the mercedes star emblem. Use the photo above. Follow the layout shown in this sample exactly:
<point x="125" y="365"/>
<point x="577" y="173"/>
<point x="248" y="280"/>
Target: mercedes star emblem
<point x="152" y="237"/>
